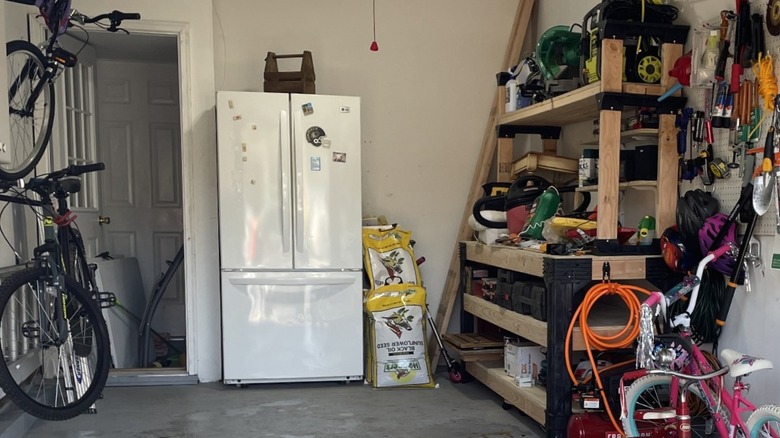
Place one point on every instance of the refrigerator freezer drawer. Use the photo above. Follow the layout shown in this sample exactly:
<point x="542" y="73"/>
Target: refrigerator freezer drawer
<point x="288" y="326"/>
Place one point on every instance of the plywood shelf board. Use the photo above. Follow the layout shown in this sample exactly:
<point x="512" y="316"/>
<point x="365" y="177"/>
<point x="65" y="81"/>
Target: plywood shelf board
<point x="636" y="185"/>
<point x="628" y="267"/>
<point x="605" y="321"/>
<point x="532" y="401"/>
<point x="574" y="106"/>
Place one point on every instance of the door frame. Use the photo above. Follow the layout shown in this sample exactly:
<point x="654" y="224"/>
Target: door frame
<point x="182" y="33"/>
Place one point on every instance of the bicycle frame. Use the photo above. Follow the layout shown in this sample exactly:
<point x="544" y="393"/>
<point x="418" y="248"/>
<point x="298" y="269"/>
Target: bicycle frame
<point x="717" y="395"/>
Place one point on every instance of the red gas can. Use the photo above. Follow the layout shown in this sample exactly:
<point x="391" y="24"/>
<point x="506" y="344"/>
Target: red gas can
<point x="596" y="425"/>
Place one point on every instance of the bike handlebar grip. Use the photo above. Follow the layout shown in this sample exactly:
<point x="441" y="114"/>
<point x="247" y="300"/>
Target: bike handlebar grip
<point x="720" y="251"/>
<point x="654" y="299"/>
<point x="75" y="170"/>
<point x="127" y="16"/>
<point x="726" y="304"/>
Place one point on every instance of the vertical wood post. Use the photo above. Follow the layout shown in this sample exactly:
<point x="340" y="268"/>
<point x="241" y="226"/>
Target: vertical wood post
<point x="666" y="193"/>
<point x="609" y="141"/>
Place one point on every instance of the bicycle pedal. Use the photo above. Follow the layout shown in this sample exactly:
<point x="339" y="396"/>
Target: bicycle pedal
<point x="64" y="57"/>
<point x="106" y="300"/>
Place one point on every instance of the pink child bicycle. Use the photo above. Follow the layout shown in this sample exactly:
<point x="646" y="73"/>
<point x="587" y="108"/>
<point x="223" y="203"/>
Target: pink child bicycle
<point x="678" y="393"/>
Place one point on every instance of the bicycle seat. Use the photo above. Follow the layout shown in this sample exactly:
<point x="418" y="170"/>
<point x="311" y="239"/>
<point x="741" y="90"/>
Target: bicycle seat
<point x="741" y="364"/>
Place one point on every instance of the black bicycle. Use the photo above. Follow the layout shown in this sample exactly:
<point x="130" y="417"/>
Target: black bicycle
<point x="31" y="75"/>
<point x="55" y="342"/>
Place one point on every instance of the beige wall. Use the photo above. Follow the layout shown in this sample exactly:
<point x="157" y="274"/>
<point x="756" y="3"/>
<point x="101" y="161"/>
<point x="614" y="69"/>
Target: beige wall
<point x="425" y="94"/>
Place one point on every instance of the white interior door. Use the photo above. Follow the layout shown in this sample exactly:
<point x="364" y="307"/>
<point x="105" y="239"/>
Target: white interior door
<point x="74" y="138"/>
<point x="141" y="188"/>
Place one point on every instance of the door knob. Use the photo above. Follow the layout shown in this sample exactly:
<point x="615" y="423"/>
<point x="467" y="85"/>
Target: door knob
<point x="104" y="220"/>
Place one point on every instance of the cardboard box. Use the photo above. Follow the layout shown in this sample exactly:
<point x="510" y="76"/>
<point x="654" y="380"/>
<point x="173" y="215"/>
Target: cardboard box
<point x="522" y="361"/>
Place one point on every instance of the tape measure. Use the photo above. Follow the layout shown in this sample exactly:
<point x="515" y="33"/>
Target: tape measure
<point x="719" y="168"/>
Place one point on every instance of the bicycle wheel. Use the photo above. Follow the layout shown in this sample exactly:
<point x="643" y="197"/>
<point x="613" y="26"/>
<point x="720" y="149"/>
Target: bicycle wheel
<point x="30" y="107"/>
<point x="764" y="422"/>
<point x="49" y="375"/>
<point x="652" y="393"/>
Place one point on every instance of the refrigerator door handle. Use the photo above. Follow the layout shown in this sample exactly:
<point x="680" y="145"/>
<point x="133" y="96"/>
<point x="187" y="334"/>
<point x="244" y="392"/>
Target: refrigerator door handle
<point x="299" y="243"/>
<point x="284" y="148"/>
<point x="321" y="281"/>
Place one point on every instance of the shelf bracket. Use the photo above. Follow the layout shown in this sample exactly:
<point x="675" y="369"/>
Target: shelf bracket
<point x="617" y="101"/>
<point x="546" y="132"/>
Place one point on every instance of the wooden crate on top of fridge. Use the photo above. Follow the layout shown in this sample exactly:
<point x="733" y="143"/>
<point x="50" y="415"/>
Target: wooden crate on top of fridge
<point x="301" y="81"/>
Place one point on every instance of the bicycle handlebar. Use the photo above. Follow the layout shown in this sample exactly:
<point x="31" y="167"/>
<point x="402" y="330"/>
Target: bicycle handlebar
<point x="691" y="284"/>
<point x="708" y="376"/>
<point x="115" y="17"/>
<point x="72" y="170"/>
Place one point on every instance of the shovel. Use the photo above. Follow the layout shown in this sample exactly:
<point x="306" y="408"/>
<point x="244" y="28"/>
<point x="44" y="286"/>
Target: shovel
<point x="764" y="184"/>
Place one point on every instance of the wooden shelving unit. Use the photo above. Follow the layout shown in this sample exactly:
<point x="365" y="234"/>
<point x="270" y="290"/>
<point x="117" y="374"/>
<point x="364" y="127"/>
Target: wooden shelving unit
<point x="563" y="276"/>
<point x="604" y="100"/>
<point x="566" y="275"/>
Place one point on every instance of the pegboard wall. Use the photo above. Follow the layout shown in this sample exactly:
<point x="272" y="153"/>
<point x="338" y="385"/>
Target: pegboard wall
<point x="727" y="190"/>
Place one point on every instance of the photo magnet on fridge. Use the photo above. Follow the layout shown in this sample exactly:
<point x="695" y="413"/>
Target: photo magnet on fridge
<point x="340" y="157"/>
<point x="307" y="108"/>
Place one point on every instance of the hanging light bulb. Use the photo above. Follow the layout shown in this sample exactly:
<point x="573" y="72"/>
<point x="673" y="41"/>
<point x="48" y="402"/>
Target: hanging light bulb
<point x="374" y="46"/>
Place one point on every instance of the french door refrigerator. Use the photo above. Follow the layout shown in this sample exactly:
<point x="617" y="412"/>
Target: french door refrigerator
<point x="290" y="237"/>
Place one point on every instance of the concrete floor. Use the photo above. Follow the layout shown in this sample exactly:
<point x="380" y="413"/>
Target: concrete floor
<point x="296" y="411"/>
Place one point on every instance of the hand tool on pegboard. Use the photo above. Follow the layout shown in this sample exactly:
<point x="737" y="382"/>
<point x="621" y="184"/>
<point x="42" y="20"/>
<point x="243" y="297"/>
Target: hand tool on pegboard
<point x="727" y="22"/>
<point x="764" y="185"/>
<point x="742" y="36"/>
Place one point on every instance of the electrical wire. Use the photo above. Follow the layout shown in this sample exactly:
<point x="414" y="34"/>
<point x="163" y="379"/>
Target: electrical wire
<point x="622" y="339"/>
<point x="767" y="82"/>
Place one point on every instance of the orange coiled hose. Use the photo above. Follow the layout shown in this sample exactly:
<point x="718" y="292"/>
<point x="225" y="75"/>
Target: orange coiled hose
<point x="767" y="82"/>
<point x="623" y="339"/>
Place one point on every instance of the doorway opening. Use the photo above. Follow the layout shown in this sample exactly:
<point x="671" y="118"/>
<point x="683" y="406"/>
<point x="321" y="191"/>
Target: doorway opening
<point x="133" y="96"/>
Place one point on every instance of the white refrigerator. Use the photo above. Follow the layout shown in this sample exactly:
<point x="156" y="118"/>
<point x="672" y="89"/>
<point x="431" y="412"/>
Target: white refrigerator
<point x="290" y="237"/>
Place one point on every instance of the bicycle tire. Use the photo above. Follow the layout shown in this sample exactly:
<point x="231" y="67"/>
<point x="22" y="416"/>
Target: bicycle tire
<point x="759" y="419"/>
<point x="75" y="258"/>
<point x="30" y="130"/>
<point x="652" y="391"/>
<point x="41" y="393"/>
